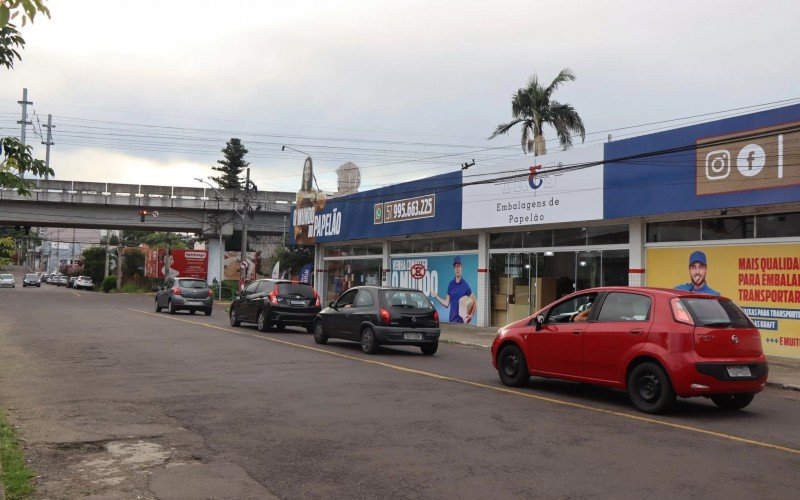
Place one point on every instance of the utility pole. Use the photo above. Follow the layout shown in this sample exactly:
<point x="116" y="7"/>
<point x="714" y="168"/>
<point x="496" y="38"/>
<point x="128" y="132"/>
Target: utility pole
<point x="24" y="122"/>
<point x="243" y="271"/>
<point x="108" y="237"/>
<point x="119" y="267"/>
<point x="48" y="143"/>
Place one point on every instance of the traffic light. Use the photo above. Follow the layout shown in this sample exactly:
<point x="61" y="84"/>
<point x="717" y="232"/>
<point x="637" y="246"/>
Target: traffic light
<point x="142" y="215"/>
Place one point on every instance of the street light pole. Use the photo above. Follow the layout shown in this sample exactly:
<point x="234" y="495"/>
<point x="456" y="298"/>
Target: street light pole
<point x="243" y="267"/>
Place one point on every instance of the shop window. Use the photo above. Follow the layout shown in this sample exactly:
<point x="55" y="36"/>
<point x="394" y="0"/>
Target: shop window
<point x="607" y="235"/>
<point x="441" y="244"/>
<point x="469" y="242"/>
<point x="422" y="246"/>
<point x="730" y="228"/>
<point x="505" y="240"/>
<point x="401" y="246"/>
<point x="367" y="249"/>
<point x="684" y="230"/>
<point x="537" y="239"/>
<point x="569" y="237"/>
<point x="615" y="267"/>
<point x="778" y="225"/>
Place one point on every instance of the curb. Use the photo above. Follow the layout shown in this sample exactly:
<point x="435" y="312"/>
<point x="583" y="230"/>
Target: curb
<point x="788" y="387"/>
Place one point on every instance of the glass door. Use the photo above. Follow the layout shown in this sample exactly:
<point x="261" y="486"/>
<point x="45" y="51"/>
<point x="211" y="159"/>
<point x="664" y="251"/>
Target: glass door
<point x="588" y="270"/>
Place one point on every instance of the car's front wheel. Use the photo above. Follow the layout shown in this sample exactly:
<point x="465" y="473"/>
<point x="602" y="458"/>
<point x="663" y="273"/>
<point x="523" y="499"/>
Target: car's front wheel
<point x="234" y="318"/>
<point x="650" y="389"/>
<point x="429" y="349"/>
<point x="732" y="401"/>
<point x="319" y="333"/>
<point x="369" y="343"/>
<point x="512" y="367"/>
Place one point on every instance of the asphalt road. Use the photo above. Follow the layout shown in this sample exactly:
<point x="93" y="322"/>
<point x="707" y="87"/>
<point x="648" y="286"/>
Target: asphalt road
<point x="114" y="399"/>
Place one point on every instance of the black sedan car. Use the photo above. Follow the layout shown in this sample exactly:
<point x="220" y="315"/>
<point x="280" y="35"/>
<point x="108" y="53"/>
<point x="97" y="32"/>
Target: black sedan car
<point x="278" y="303"/>
<point x="377" y="316"/>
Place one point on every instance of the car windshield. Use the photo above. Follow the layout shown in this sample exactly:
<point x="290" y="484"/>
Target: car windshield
<point x="410" y="299"/>
<point x="717" y="313"/>
<point x="291" y="289"/>
<point x="6" y="277"/>
<point x="192" y="284"/>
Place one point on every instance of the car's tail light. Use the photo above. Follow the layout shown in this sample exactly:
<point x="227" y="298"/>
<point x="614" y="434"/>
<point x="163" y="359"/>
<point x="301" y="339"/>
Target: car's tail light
<point x="317" y="302"/>
<point x="435" y="318"/>
<point x="679" y="312"/>
<point x="176" y="291"/>
<point x="273" y="295"/>
<point x="386" y="318"/>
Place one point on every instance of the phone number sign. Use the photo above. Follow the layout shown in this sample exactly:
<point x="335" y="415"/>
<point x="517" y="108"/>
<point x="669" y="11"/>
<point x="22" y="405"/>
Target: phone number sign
<point x="419" y="207"/>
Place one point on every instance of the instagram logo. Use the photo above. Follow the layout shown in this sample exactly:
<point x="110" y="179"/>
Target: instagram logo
<point x="718" y="164"/>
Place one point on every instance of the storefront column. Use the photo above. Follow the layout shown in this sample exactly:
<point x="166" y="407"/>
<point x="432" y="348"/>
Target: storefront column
<point x="636" y="271"/>
<point x="385" y="269"/>
<point x="216" y="256"/>
<point x="319" y="273"/>
<point x="484" y="291"/>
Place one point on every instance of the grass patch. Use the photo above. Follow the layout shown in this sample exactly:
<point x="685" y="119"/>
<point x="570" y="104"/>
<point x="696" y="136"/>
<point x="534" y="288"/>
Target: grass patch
<point x="16" y="476"/>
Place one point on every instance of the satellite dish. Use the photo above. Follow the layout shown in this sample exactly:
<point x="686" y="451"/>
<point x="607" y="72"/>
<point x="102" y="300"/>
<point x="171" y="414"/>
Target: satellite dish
<point x="349" y="176"/>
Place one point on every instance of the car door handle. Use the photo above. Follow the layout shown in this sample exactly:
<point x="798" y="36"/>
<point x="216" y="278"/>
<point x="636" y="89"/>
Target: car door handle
<point x="636" y="331"/>
<point x="577" y="332"/>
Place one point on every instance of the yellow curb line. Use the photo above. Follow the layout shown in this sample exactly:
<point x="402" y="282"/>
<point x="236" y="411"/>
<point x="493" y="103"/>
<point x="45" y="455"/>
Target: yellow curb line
<point x="639" y="418"/>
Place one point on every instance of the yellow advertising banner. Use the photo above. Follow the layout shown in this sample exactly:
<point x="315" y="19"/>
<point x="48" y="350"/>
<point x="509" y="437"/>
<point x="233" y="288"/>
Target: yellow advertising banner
<point x="764" y="280"/>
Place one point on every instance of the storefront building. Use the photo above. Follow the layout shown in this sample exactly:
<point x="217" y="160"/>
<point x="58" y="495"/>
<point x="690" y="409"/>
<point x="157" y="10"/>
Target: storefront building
<point x="629" y="212"/>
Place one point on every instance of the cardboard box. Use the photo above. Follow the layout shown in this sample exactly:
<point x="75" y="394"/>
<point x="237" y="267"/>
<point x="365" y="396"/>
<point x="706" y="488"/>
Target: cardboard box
<point x="522" y="294"/>
<point x="499" y="302"/>
<point x="506" y="283"/>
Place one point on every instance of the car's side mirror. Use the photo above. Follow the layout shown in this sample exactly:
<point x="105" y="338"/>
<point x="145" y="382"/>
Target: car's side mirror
<point x="538" y="321"/>
<point x="332" y="305"/>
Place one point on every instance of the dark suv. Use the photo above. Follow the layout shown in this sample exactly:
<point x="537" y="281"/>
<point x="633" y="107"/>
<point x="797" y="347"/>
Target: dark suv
<point x="375" y="315"/>
<point x="278" y="303"/>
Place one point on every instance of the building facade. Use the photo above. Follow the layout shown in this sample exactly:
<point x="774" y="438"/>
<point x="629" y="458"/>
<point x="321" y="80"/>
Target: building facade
<point x="630" y="212"/>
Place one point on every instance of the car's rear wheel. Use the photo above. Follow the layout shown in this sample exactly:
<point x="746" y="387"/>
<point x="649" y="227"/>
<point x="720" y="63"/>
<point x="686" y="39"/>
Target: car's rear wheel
<point x="261" y="323"/>
<point x="649" y="388"/>
<point x="207" y="312"/>
<point x="280" y="326"/>
<point x="234" y="318"/>
<point x="732" y="401"/>
<point x="172" y="309"/>
<point x="429" y="349"/>
<point x="512" y="367"/>
<point x="369" y="343"/>
<point x="158" y="308"/>
<point x="192" y="311"/>
<point x="319" y="333"/>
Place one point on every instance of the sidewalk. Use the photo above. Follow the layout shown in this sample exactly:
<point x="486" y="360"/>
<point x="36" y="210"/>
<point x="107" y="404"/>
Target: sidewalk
<point x="783" y="372"/>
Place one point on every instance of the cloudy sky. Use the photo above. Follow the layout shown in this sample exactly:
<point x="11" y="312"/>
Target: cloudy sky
<point x="149" y="91"/>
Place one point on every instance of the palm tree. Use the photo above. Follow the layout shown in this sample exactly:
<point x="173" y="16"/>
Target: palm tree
<point x="533" y="107"/>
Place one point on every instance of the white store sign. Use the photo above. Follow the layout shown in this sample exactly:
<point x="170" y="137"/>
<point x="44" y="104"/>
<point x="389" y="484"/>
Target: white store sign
<point x="558" y="187"/>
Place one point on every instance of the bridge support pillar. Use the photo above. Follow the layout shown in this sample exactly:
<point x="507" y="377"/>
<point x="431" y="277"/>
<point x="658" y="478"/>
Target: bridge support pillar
<point x="216" y="257"/>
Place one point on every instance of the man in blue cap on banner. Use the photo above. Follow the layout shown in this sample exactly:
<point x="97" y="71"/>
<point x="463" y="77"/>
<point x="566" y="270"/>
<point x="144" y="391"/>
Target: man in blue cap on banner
<point x="698" y="266"/>
<point x="461" y="311"/>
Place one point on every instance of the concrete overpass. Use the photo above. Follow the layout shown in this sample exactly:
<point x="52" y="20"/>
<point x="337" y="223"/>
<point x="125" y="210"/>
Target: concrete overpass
<point x="96" y="205"/>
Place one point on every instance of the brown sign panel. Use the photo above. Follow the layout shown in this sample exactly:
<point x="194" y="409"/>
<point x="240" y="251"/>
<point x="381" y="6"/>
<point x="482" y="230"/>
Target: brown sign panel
<point x="753" y="159"/>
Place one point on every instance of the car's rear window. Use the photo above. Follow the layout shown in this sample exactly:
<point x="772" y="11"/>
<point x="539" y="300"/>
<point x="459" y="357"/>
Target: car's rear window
<point x="295" y="289"/>
<point x="192" y="284"/>
<point x="410" y="299"/>
<point x="717" y="313"/>
<point x="32" y="276"/>
<point x="6" y="276"/>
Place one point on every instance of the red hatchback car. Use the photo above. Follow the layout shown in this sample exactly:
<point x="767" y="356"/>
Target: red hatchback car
<point x="655" y="343"/>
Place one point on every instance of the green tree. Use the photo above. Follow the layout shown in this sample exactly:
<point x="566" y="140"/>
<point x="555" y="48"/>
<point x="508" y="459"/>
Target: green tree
<point x="94" y="263"/>
<point x="6" y="250"/>
<point x="292" y="258"/>
<point x="232" y="166"/>
<point x="162" y="239"/>
<point x="133" y="263"/>
<point x="533" y="107"/>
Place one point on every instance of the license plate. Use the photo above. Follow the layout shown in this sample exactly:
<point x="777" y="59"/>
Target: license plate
<point x="298" y="302"/>
<point x="412" y="336"/>
<point x="193" y="303"/>
<point x="739" y="371"/>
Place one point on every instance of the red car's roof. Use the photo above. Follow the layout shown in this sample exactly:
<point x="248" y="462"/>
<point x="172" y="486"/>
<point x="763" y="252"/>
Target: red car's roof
<point x="660" y="291"/>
